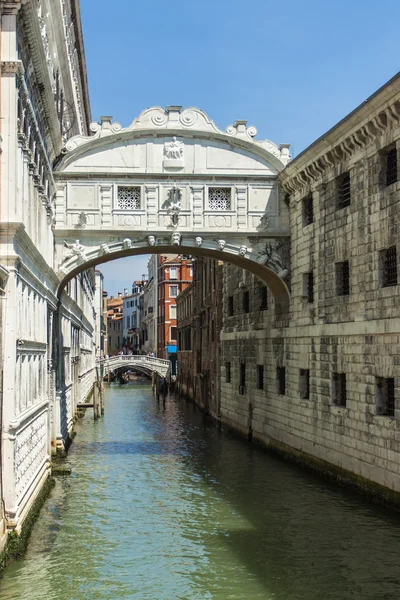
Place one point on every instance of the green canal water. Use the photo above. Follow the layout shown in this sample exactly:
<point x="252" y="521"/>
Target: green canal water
<point x="162" y="506"/>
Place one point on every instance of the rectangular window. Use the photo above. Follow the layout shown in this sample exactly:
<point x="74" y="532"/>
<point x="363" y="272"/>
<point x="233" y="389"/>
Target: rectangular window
<point x="173" y="335"/>
<point x="219" y="199"/>
<point x="308" y="211"/>
<point x="263" y="297"/>
<point x="172" y="311"/>
<point x="230" y="306"/>
<point x="391" y="166"/>
<point x="384" y="396"/>
<point x="173" y="273"/>
<point x="246" y="302"/>
<point x="339" y="397"/>
<point x="128" y="198"/>
<point x="281" y="380"/>
<point x="173" y="291"/>
<point x="342" y="271"/>
<point x="228" y="372"/>
<point x="308" y="286"/>
<point x="260" y="377"/>
<point x="388" y="266"/>
<point x="242" y="380"/>
<point x="304" y="384"/>
<point x="343" y="190"/>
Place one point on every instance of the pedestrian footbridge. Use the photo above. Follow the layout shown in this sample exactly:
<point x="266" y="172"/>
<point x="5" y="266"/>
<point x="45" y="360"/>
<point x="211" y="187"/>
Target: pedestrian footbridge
<point x="140" y="362"/>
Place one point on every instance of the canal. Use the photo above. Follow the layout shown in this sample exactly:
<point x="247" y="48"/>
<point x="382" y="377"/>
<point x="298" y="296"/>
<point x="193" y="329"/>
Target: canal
<point x="162" y="506"/>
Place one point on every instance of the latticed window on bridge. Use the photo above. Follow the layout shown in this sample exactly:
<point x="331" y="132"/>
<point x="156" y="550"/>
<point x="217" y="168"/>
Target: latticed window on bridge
<point x="129" y="198"/>
<point x="388" y="266"/>
<point x="339" y="389"/>
<point x="344" y="190"/>
<point x="391" y="166"/>
<point x="219" y="199"/>
<point x="384" y="396"/>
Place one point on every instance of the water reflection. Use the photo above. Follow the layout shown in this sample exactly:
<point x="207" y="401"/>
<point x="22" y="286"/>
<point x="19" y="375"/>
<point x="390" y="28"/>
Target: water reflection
<point x="162" y="506"/>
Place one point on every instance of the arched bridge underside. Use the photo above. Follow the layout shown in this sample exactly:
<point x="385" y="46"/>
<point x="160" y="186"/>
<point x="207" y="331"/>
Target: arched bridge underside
<point x="143" y="363"/>
<point x="172" y="182"/>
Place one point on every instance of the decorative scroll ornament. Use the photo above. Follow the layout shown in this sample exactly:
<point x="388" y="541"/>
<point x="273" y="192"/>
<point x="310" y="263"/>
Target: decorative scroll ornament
<point x="174" y="205"/>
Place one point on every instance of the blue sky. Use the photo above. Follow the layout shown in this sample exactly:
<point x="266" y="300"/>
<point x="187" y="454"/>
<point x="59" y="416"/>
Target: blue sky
<point x="292" y="69"/>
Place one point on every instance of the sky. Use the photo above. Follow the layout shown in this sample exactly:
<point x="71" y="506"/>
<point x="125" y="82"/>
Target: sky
<point x="292" y="69"/>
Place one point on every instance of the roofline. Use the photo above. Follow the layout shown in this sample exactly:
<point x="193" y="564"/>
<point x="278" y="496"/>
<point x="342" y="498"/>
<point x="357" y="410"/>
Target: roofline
<point x="343" y="121"/>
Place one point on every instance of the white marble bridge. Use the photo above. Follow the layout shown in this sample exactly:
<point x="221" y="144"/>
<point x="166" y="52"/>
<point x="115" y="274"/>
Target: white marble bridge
<point x="140" y="362"/>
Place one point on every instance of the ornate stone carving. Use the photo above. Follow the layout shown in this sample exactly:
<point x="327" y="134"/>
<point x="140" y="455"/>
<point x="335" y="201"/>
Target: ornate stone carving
<point x="174" y="205"/>
<point x="198" y="241"/>
<point x="30" y="452"/>
<point x="151" y="240"/>
<point x="263" y="222"/>
<point x="82" y="220"/>
<point x="104" y="249"/>
<point x="75" y="250"/>
<point x="221" y="244"/>
<point x="273" y="260"/>
<point x="173" y="154"/>
<point x="127" y="243"/>
<point x="175" y="239"/>
<point x="242" y="250"/>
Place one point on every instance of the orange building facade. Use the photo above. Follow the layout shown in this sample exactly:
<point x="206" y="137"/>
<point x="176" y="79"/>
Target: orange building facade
<point x="174" y="275"/>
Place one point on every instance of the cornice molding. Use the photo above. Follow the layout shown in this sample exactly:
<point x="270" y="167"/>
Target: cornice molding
<point x="362" y="128"/>
<point x="10" y="7"/>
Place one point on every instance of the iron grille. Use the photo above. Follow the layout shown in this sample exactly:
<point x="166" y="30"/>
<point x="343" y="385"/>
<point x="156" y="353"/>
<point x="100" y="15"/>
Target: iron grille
<point x="343" y="278"/>
<point x="339" y="389"/>
<point x="128" y="198"/>
<point x="385" y="401"/>
<point x="242" y="382"/>
<point x="281" y="380"/>
<point x="344" y="193"/>
<point x="264" y="298"/>
<point x="246" y="302"/>
<point x="219" y="199"/>
<point x="391" y="166"/>
<point x="308" y="210"/>
<point x="228" y="372"/>
<point x="304" y="384"/>
<point x="390" y="267"/>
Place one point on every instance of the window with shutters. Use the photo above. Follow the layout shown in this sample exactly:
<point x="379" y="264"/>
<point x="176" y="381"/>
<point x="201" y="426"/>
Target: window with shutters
<point x="339" y="395"/>
<point x="388" y="266"/>
<point x="342" y="271"/>
<point x="384" y="396"/>
<point x="128" y="198"/>
<point x="343" y="190"/>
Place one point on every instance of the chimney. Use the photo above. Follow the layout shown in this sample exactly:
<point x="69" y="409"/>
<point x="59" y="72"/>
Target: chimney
<point x="125" y="291"/>
<point x="119" y="294"/>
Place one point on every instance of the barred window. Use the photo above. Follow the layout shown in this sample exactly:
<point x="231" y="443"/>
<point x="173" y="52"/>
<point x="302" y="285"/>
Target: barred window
<point x="342" y="278"/>
<point x="384" y="396"/>
<point x="230" y="306"/>
<point x="264" y="298"/>
<point x="128" y="198"/>
<point x="391" y="166"/>
<point x="388" y="266"/>
<point x="308" y="210"/>
<point x="308" y="286"/>
<point x="281" y="380"/>
<point x="246" y="302"/>
<point x="219" y="199"/>
<point x="339" y="389"/>
<point x="242" y="381"/>
<point x="344" y="191"/>
<point x="260" y="377"/>
<point x="304" y="384"/>
<point x="228" y="372"/>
